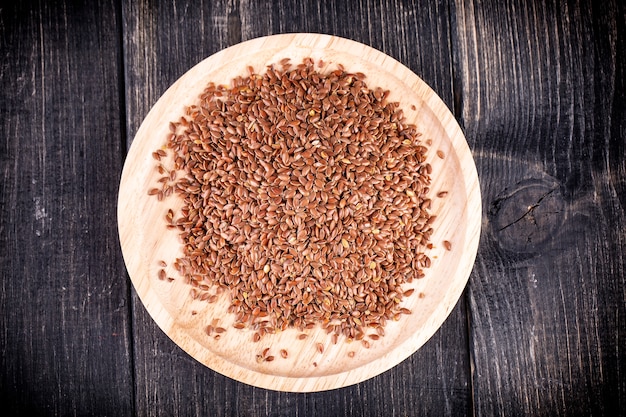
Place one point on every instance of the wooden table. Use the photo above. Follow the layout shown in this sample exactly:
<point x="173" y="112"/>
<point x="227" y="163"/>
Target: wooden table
<point x="539" y="90"/>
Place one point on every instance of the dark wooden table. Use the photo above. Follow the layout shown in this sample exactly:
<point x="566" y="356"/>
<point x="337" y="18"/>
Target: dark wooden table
<point x="539" y="90"/>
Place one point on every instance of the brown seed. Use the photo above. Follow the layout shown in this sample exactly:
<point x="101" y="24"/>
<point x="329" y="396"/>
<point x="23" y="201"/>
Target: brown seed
<point x="442" y="194"/>
<point x="284" y="353"/>
<point x="281" y="200"/>
<point x="441" y="154"/>
<point x="320" y="347"/>
<point x="447" y="245"/>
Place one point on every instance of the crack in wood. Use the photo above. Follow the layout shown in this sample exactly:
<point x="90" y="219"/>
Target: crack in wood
<point x="530" y="210"/>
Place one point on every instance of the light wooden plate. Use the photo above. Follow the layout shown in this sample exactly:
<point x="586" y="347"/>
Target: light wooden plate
<point x="145" y="240"/>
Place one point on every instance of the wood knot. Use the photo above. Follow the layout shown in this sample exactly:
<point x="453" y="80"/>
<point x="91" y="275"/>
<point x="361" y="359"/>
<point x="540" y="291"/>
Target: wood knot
<point x="528" y="216"/>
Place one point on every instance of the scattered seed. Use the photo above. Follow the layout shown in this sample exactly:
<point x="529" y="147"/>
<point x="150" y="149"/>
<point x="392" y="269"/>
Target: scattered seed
<point x="447" y="245"/>
<point x="441" y="154"/>
<point x="284" y="353"/>
<point x="266" y="176"/>
<point x="320" y="347"/>
<point x="442" y="194"/>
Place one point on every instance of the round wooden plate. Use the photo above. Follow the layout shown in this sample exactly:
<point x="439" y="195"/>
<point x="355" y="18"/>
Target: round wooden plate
<point x="145" y="240"/>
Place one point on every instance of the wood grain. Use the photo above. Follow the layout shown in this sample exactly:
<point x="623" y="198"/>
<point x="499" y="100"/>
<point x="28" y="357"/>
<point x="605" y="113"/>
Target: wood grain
<point x="539" y="88"/>
<point x="64" y="307"/>
<point x="543" y="110"/>
<point x="146" y="240"/>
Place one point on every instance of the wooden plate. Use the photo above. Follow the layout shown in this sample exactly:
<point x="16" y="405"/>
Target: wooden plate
<point x="145" y="240"/>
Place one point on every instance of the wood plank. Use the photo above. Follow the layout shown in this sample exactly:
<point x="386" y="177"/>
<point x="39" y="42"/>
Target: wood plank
<point x="64" y="303"/>
<point x="542" y="88"/>
<point x="161" y="42"/>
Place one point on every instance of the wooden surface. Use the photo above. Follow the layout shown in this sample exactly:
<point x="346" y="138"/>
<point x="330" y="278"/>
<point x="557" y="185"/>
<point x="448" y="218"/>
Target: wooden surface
<point x="538" y="88"/>
<point x="146" y="240"/>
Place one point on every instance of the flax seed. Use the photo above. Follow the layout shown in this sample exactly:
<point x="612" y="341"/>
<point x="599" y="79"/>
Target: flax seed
<point x="408" y="292"/>
<point x="347" y="221"/>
